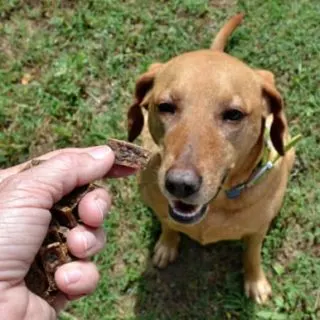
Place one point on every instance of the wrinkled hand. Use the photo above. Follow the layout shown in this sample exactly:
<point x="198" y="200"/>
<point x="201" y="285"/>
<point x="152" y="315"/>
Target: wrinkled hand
<point x="25" y="200"/>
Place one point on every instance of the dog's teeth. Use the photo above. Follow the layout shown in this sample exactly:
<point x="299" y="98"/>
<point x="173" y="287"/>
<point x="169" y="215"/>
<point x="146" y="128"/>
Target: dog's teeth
<point x="186" y="214"/>
<point x="187" y="217"/>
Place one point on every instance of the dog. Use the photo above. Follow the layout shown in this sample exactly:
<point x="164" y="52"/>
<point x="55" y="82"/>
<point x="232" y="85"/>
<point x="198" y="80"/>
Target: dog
<point x="219" y="169"/>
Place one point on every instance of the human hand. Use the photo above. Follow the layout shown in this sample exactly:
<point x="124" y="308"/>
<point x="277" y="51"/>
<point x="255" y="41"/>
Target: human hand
<point x="25" y="200"/>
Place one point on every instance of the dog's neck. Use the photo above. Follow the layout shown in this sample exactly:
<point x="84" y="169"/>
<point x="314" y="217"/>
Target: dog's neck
<point x="263" y="158"/>
<point x="242" y="171"/>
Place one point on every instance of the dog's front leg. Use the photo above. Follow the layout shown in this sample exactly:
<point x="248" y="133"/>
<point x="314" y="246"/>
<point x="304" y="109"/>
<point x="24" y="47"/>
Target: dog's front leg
<point x="256" y="284"/>
<point x="166" y="249"/>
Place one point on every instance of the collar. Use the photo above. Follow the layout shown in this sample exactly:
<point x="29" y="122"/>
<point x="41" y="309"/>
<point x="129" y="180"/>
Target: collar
<point x="265" y="165"/>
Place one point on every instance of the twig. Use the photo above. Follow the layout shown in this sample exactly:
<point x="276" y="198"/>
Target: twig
<point x="68" y="316"/>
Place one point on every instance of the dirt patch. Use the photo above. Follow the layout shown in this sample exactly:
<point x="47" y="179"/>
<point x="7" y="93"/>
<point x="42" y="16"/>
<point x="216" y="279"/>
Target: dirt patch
<point x="45" y="140"/>
<point x="6" y="50"/>
<point x="300" y="168"/>
<point x="222" y="4"/>
<point x="47" y="4"/>
<point x="98" y="94"/>
<point x="200" y="273"/>
<point x="294" y="244"/>
<point x="10" y="48"/>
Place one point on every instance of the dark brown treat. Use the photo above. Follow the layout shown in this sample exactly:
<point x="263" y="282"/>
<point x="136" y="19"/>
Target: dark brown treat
<point x="128" y="154"/>
<point x="54" y="251"/>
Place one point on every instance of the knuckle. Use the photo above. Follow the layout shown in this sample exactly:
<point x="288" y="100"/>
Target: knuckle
<point x="16" y="183"/>
<point x="67" y="161"/>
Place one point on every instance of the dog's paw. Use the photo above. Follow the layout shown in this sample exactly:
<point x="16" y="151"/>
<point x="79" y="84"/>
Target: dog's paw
<point x="163" y="254"/>
<point x="259" y="290"/>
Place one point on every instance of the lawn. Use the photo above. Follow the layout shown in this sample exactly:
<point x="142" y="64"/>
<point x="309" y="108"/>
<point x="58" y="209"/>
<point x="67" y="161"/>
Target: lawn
<point x="67" y="75"/>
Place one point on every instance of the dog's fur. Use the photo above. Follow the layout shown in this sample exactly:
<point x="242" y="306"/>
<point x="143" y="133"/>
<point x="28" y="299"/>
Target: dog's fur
<point x="201" y="86"/>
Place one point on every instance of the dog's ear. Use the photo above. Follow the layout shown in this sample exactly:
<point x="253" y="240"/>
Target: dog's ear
<point x="275" y="105"/>
<point x="135" y="115"/>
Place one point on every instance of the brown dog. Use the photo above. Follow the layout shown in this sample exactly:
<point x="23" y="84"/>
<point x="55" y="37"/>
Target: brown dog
<point x="208" y="115"/>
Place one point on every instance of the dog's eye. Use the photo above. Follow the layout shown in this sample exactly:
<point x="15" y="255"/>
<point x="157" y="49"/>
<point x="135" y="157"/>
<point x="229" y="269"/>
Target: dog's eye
<point x="167" y="108"/>
<point x="233" y="115"/>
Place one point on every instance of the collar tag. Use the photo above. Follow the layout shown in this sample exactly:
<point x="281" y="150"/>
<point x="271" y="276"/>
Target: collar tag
<point x="235" y="192"/>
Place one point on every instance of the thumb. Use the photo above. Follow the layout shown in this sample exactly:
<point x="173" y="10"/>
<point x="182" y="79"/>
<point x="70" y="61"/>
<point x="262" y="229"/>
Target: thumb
<point x="5" y="173"/>
<point x="47" y="183"/>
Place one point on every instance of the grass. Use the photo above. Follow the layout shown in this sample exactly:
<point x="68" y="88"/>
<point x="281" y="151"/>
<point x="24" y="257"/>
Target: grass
<point x="67" y="73"/>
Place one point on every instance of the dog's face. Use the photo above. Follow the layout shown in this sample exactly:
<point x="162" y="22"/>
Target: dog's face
<point x="206" y="112"/>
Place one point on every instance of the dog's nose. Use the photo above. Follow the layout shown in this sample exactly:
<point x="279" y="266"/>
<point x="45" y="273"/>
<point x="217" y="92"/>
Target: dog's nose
<point x="182" y="183"/>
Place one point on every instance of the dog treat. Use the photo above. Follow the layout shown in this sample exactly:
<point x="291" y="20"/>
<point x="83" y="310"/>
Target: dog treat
<point x="128" y="154"/>
<point x="54" y="251"/>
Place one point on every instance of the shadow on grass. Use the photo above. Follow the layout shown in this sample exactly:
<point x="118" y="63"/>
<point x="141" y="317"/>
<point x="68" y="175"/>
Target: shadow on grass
<point x="203" y="283"/>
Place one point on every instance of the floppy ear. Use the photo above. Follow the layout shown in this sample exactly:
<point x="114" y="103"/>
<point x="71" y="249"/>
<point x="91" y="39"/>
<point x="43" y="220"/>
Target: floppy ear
<point x="143" y="86"/>
<point x="275" y="104"/>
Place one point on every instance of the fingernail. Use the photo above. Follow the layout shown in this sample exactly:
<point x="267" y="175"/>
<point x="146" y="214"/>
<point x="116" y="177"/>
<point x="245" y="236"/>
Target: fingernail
<point x="102" y="206"/>
<point x="72" y="276"/>
<point x="100" y="153"/>
<point x="88" y="239"/>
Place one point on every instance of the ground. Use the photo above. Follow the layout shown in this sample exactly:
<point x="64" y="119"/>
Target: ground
<point x="67" y="74"/>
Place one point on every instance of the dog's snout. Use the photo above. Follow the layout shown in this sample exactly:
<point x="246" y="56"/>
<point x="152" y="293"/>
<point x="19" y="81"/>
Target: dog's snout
<point x="182" y="183"/>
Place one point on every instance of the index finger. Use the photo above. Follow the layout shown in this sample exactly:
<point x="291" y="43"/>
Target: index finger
<point x="116" y="171"/>
<point x="5" y="173"/>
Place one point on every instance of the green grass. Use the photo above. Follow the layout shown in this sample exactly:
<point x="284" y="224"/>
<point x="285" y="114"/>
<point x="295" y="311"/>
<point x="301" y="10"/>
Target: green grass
<point x="83" y="58"/>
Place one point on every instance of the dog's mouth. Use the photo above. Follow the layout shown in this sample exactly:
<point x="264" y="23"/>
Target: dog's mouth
<point x="187" y="213"/>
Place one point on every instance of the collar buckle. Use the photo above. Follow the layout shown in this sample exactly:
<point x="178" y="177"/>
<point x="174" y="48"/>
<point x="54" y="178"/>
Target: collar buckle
<point x="235" y="192"/>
